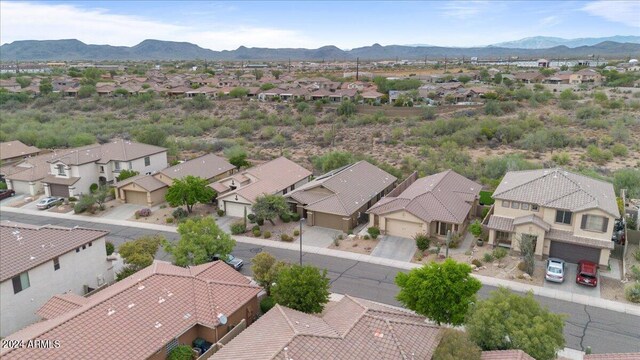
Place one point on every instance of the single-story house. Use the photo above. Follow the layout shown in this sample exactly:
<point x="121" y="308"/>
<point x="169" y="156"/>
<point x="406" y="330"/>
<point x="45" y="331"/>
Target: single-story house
<point x="151" y="189"/>
<point x="237" y="193"/>
<point x="432" y="205"/>
<point x="14" y="151"/>
<point x="340" y="198"/>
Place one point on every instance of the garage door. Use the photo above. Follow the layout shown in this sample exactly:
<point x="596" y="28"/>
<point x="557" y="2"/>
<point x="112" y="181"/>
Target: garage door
<point x="59" y="190"/>
<point x="20" y="187"/>
<point x="573" y="253"/>
<point x="236" y="209"/>
<point x="135" y="197"/>
<point x="401" y="228"/>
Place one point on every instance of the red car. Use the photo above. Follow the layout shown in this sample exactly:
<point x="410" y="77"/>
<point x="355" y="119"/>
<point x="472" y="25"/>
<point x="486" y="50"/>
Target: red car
<point x="587" y="273"/>
<point x="6" y="193"/>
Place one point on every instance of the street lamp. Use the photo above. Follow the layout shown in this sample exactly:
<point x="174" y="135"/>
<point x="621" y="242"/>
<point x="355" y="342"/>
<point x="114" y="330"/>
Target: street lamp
<point x="301" y="221"/>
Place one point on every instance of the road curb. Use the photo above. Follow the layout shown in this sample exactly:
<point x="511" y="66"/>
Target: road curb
<point x="486" y="280"/>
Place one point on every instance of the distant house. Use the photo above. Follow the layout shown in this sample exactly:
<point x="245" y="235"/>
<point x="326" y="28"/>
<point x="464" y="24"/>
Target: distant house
<point x="25" y="177"/>
<point x="372" y="96"/>
<point x="340" y="198"/>
<point x="14" y="151"/>
<point x="72" y="173"/>
<point x="432" y="205"/>
<point x="146" y="315"/>
<point x="567" y="215"/>
<point x="237" y="193"/>
<point x="151" y="189"/>
<point x="585" y="76"/>
<point x="40" y="262"/>
<point x="529" y="77"/>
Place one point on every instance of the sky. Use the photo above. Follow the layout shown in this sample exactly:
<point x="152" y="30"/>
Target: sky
<point x="220" y="25"/>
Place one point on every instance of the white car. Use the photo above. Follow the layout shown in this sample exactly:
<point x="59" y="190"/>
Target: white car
<point x="49" y="202"/>
<point x="555" y="270"/>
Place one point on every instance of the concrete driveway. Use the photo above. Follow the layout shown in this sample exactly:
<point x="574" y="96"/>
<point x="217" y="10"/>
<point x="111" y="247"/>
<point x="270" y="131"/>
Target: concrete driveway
<point x="570" y="285"/>
<point x="317" y="236"/>
<point x="395" y="248"/>
<point x="11" y="199"/>
<point x="121" y="211"/>
<point x="225" y="222"/>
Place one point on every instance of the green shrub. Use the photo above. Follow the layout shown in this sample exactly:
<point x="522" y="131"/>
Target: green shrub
<point x="475" y="228"/>
<point x="285" y="237"/>
<point x="251" y="218"/>
<point x="286" y="217"/>
<point x="499" y="253"/>
<point x="257" y="232"/>
<point x="476" y="262"/>
<point x="485" y="197"/>
<point x="238" y="228"/>
<point x="179" y="213"/>
<point x="93" y="188"/>
<point x="73" y="199"/>
<point x="561" y="158"/>
<point x="455" y="345"/>
<point x="220" y="212"/>
<point x="110" y="247"/>
<point x="632" y="292"/>
<point x="636" y="255"/>
<point x="85" y="203"/>
<point x="485" y="211"/>
<point x="295" y="217"/>
<point x="422" y="241"/>
<point x="619" y="150"/>
<point x="597" y="155"/>
<point x="181" y="352"/>
<point x="255" y="227"/>
<point x="267" y="234"/>
<point x="488" y="257"/>
<point x="266" y="304"/>
<point x="260" y="221"/>
<point x="296" y="232"/>
<point x="366" y="237"/>
<point x="169" y="220"/>
<point x="374" y="232"/>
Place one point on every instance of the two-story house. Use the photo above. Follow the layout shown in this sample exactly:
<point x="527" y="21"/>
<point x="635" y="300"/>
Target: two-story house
<point x="73" y="173"/>
<point x="237" y="193"/>
<point x="568" y="216"/>
<point x="40" y="262"/>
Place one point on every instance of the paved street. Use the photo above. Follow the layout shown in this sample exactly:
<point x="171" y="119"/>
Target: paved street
<point x="603" y="330"/>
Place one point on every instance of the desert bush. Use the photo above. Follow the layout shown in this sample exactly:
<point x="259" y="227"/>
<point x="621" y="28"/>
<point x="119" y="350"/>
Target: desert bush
<point x="597" y="155"/>
<point x="266" y="304"/>
<point x="422" y="241"/>
<point x="476" y="262"/>
<point x="86" y="203"/>
<point x="238" y="228"/>
<point x="266" y="234"/>
<point x="285" y="217"/>
<point x="619" y="150"/>
<point x="295" y="217"/>
<point x="499" y="253"/>
<point x="93" y="188"/>
<point x="561" y="158"/>
<point x="636" y="255"/>
<point x="488" y="257"/>
<point x="257" y="232"/>
<point x="109" y="247"/>
<point x="374" y="232"/>
<point x="144" y="212"/>
<point x="168" y="220"/>
<point x="179" y="213"/>
<point x="220" y="212"/>
<point x="296" y="232"/>
<point x="632" y="292"/>
<point x="476" y="228"/>
<point x="286" y="238"/>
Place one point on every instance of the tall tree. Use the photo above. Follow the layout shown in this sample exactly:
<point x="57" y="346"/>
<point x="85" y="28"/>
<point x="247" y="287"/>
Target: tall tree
<point x="455" y="345"/>
<point x="269" y="207"/>
<point x="276" y="74"/>
<point x="265" y="268"/>
<point x="46" y="87"/>
<point x="189" y="191"/>
<point x="510" y="321"/>
<point x="152" y="135"/>
<point x="333" y="160"/>
<point x="237" y="156"/>
<point x="442" y="292"/>
<point x="302" y="288"/>
<point x="138" y="254"/>
<point x="200" y="239"/>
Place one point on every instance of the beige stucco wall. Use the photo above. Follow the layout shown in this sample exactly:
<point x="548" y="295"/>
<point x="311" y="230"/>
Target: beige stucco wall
<point x="401" y="215"/>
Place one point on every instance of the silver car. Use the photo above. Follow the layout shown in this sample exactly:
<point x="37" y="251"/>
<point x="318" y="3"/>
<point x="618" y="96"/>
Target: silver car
<point x="555" y="270"/>
<point x="49" y="202"/>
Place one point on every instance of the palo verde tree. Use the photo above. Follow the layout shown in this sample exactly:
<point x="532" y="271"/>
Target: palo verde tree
<point x="237" y="156"/>
<point x="189" y="191"/>
<point x="510" y="321"/>
<point x="269" y="207"/>
<point x="200" y="239"/>
<point x="442" y="292"/>
<point x="265" y="268"/>
<point x="138" y="254"/>
<point x="302" y="288"/>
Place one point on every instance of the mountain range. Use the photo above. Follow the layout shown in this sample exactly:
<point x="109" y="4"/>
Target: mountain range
<point x="61" y="50"/>
<point x="545" y="42"/>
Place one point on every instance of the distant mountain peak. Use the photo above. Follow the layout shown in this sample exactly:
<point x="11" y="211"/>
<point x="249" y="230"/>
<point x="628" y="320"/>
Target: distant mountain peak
<point x="545" y="42"/>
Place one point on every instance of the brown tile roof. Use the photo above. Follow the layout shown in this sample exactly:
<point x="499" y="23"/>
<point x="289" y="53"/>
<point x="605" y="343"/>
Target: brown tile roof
<point x="61" y="304"/>
<point x="34" y="168"/>
<point x="500" y="223"/>
<point x="350" y="188"/>
<point x="443" y="196"/>
<point x="505" y="355"/>
<point x="568" y="237"/>
<point x="137" y="316"/>
<point x="14" y="149"/>
<point x="147" y="182"/>
<point x="271" y="177"/>
<point x="532" y="219"/>
<point x="25" y="246"/>
<point x="619" y="356"/>
<point x="350" y="329"/>
<point x="52" y="179"/>
<point x="118" y="150"/>
<point x="206" y="167"/>
<point x="558" y="189"/>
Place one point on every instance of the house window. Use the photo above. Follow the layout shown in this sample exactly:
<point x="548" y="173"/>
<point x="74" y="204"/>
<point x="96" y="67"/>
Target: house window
<point x="444" y="227"/>
<point x="20" y="282"/>
<point x="524" y="206"/>
<point x="117" y="165"/>
<point x="101" y="169"/>
<point x="61" y="170"/>
<point x="292" y="187"/>
<point x="56" y="264"/>
<point x="284" y="191"/>
<point x="130" y="166"/>
<point x="534" y="207"/>
<point x="594" y="223"/>
<point x="515" y="205"/>
<point x="505" y="203"/>
<point x="563" y="217"/>
<point x="147" y="161"/>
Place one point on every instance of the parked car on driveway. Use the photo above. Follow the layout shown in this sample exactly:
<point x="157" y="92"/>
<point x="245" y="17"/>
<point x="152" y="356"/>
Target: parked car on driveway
<point x="555" y="270"/>
<point x="48" y="202"/>
<point x="4" y="193"/>
<point x="587" y="273"/>
<point x="231" y="260"/>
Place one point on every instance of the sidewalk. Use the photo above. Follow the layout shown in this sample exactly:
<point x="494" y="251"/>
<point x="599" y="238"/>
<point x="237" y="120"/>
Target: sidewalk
<point x="515" y="286"/>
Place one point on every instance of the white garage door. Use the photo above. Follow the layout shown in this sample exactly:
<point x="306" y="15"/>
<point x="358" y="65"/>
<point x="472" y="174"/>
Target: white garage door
<point x="20" y="187"/>
<point x="236" y="209"/>
<point x="135" y="197"/>
<point x="401" y="228"/>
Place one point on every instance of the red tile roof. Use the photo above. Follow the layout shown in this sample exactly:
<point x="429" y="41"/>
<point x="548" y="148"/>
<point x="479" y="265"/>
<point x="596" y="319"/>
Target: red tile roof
<point x="26" y="246"/>
<point x="136" y="317"/>
<point x="505" y="355"/>
<point x="620" y="356"/>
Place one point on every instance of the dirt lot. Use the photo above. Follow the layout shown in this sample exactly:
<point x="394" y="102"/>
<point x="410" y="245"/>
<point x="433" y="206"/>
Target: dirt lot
<point x="612" y="289"/>
<point x="356" y="245"/>
<point x="160" y="216"/>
